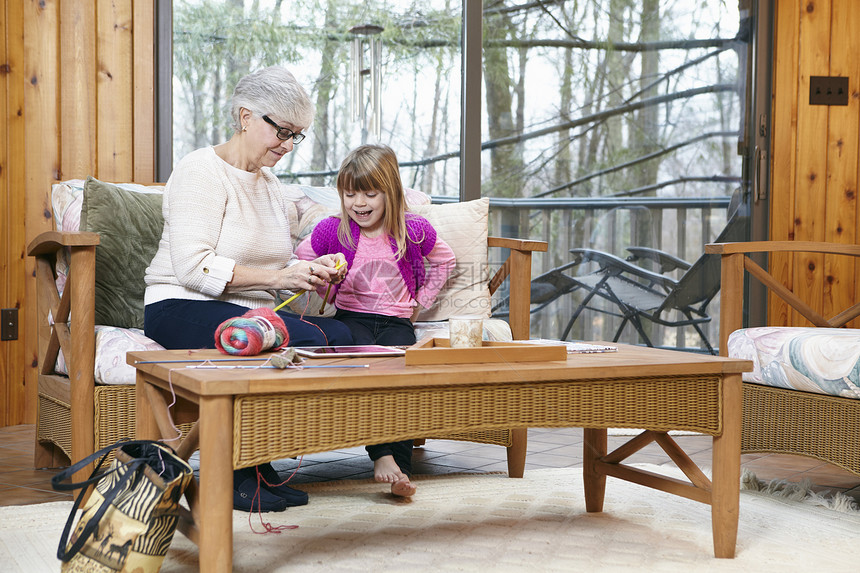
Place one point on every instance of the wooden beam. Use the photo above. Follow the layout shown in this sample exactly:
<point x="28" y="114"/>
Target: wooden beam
<point x="76" y="56"/>
<point x="143" y="90"/>
<point x="114" y="88"/>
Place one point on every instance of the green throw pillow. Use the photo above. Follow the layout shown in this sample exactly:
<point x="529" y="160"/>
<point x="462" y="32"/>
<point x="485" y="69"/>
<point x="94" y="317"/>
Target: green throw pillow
<point x="129" y="223"/>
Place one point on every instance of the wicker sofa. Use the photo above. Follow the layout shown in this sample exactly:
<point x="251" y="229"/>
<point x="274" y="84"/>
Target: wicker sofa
<point x="803" y="396"/>
<point x="89" y="280"/>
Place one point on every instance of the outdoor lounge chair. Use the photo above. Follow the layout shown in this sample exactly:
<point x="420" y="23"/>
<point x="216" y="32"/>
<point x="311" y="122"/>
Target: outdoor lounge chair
<point x="545" y="289"/>
<point x="637" y="294"/>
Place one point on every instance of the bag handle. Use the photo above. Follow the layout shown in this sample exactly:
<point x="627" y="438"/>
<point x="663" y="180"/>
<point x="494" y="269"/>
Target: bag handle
<point x="56" y="482"/>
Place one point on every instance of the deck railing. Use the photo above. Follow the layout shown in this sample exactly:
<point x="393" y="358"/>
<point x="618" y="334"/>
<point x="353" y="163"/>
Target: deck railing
<point x="679" y="226"/>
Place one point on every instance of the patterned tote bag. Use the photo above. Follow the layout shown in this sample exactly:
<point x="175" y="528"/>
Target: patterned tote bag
<point x="128" y="521"/>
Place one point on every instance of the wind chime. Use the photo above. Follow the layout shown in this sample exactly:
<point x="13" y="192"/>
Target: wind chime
<point x="366" y="45"/>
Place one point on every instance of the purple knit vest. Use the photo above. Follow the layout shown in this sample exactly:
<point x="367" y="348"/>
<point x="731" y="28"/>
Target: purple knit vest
<point x="421" y="238"/>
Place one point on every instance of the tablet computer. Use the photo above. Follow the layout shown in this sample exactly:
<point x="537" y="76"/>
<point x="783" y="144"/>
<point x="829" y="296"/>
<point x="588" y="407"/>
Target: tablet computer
<point x="346" y="351"/>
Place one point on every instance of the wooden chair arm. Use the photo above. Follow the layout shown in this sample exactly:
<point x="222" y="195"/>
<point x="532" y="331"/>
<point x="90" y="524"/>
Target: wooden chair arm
<point x="783" y="247"/>
<point x="518" y="268"/>
<point x="50" y="242"/>
<point x="517" y="244"/>
<point x="734" y="261"/>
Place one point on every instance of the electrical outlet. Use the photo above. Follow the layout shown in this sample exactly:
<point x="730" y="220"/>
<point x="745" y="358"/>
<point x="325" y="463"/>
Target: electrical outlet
<point x="827" y="90"/>
<point x="9" y="324"/>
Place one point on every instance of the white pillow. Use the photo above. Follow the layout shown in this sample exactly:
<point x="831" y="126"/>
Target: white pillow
<point x="464" y="227"/>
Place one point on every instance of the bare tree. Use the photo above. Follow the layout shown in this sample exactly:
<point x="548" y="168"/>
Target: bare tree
<point x="505" y="162"/>
<point x="325" y="86"/>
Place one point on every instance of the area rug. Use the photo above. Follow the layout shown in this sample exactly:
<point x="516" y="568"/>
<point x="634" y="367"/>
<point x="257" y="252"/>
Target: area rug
<point x="480" y="522"/>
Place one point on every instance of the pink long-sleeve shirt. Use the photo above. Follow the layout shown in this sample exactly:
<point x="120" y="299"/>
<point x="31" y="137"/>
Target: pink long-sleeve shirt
<point x="374" y="283"/>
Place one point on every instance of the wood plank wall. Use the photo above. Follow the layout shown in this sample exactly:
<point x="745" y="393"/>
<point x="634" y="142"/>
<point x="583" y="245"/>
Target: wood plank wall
<point x="815" y="151"/>
<point x="77" y="99"/>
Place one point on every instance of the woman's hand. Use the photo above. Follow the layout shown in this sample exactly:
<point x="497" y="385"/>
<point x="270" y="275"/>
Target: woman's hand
<point x="311" y="275"/>
<point x="334" y="265"/>
<point x="307" y="275"/>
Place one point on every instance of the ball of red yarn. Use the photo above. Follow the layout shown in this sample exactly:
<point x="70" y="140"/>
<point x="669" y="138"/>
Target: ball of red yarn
<point x="256" y="331"/>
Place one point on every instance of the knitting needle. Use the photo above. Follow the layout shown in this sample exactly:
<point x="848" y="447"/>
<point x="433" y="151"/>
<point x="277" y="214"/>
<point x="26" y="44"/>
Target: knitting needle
<point x="240" y="359"/>
<point x="289" y="300"/>
<point x="204" y="366"/>
<point x="328" y="289"/>
<point x="207" y="360"/>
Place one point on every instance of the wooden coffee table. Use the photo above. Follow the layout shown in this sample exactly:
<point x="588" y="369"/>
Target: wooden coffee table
<point x="247" y="417"/>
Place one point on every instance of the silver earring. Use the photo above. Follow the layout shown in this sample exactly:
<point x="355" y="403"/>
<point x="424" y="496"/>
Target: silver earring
<point x="244" y="128"/>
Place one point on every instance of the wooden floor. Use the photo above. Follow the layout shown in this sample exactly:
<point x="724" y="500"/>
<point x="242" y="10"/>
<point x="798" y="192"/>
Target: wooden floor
<point x="21" y="484"/>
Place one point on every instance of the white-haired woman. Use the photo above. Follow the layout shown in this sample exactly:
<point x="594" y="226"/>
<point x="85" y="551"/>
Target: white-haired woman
<point x="226" y="245"/>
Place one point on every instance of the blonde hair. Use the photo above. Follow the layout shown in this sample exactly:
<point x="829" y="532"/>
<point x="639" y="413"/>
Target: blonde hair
<point x="374" y="168"/>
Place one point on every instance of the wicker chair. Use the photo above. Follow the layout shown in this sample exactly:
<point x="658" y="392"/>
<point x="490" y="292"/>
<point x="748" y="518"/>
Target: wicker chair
<point x="77" y="416"/>
<point x="780" y="420"/>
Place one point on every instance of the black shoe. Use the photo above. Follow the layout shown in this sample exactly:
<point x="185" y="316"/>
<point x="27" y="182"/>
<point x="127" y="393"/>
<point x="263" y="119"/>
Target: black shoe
<point x="293" y="497"/>
<point x="247" y="497"/>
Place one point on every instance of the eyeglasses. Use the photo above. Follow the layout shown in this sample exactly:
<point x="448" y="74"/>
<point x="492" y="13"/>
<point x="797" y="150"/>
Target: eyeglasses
<point x="284" y="133"/>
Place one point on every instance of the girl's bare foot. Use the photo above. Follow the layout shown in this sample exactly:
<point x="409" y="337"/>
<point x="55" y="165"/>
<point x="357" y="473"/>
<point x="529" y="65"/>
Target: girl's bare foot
<point x="386" y="470"/>
<point x="403" y="487"/>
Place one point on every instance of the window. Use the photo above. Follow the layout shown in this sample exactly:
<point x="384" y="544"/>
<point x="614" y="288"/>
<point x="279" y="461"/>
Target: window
<point x="336" y="50"/>
<point x="603" y="123"/>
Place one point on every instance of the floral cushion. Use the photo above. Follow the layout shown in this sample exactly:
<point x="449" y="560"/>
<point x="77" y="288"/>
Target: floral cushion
<point x="820" y="360"/>
<point x="112" y="342"/>
<point x="66" y="200"/>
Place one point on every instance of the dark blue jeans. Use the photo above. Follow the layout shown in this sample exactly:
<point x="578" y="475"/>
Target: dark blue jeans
<point x="181" y="323"/>
<point x="370" y="328"/>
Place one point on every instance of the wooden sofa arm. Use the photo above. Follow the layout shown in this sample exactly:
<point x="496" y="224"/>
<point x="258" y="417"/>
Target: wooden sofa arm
<point x="50" y="242"/>
<point x="67" y="321"/>
<point x="518" y="266"/>
<point x="734" y="261"/>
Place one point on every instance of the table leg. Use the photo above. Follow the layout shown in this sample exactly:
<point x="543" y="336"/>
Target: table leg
<point x="216" y="483"/>
<point x="145" y="426"/>
<point x="725" y="496"/>
<point x="594" y="448"/>
<point x="517" y="453"/>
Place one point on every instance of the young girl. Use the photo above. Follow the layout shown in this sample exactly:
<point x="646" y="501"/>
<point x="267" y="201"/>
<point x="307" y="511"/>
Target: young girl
<point x="385" y="248"/>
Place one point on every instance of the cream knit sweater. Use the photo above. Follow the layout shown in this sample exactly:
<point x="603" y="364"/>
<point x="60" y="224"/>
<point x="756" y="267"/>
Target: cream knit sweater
<point x="216" y="216"/>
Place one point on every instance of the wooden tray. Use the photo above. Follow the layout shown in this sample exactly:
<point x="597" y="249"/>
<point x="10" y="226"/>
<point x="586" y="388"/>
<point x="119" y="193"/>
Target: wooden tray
<point x="438" y="351"/>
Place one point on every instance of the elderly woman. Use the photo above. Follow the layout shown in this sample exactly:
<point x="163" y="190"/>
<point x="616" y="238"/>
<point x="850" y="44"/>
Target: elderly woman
<point x="226" y="245"/>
